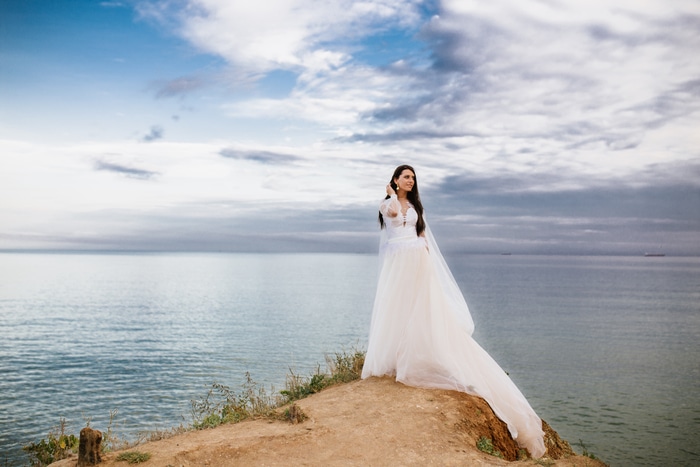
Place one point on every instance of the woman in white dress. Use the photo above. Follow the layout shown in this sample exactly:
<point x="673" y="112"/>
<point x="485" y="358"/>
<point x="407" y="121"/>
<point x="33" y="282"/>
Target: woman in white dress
<point x="421" y="326"/>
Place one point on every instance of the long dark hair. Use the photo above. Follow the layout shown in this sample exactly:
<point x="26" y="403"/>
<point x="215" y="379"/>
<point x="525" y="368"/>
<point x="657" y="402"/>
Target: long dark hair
<point x="413" y="197"/>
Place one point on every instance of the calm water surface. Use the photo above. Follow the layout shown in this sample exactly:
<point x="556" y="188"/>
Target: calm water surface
<point x="606" y="349"/>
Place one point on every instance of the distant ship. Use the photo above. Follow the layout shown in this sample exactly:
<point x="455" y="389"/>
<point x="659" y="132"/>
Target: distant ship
<point x="654" y="254"/>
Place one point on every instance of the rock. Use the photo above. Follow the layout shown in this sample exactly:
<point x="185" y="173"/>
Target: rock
<point x="89" y="447"/>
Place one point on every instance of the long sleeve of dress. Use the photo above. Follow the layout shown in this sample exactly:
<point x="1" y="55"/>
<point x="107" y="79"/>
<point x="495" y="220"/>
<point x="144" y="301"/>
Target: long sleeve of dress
<point x="390" y="207"/>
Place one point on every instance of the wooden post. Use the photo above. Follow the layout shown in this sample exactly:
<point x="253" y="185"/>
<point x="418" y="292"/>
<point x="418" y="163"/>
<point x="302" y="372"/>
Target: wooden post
<point x="89" y="447"/>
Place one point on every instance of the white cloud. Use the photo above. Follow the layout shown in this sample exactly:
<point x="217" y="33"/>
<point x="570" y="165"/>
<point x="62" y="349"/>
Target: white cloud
<point x="289" y="34"/>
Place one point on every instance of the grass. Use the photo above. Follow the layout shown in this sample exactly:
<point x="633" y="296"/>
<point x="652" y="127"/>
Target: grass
<point x="133" y="457"/>
<point x="220" y="405"/>
<point x="157" y="434"/>
<point x="110" y="440"/>
<point x="486" y="445"/>
<point x="342" y="367"/>
<point x="585" y="452"/>
<point x="544" y="462"/>
<point x="224" y="405"/>
<point x="293" y="414"/>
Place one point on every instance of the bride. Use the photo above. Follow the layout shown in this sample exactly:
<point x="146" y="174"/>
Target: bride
<point x="421" y="326"/>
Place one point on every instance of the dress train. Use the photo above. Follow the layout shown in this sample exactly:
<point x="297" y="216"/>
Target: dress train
<point x="421" y="334"/>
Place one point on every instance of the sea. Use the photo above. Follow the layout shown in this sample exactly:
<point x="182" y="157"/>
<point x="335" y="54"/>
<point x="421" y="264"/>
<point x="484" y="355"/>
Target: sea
<point x="605" y="348"/>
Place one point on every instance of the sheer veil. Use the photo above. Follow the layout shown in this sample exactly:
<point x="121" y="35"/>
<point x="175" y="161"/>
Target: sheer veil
<point x="457" y="304"/>
<point x="454" y="295"/>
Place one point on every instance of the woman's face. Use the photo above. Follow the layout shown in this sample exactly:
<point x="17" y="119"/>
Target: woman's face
<point x="406" y="180"/>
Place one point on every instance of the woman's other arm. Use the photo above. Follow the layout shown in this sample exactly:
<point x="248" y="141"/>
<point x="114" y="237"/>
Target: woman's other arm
<point x="390" y="207"/>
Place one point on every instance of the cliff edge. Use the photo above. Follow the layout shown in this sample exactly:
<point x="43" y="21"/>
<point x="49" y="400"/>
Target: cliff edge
<point x="373" y="422"/>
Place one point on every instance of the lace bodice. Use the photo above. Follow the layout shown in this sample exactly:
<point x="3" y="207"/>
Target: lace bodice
<point x="401" y="226"/>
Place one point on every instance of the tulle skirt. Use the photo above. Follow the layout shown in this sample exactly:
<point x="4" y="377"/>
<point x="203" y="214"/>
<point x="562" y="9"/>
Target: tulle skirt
<point x="416" y="337"/>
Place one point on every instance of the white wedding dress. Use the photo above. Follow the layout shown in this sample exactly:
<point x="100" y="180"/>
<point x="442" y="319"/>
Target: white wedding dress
<point x="421" y="329"/>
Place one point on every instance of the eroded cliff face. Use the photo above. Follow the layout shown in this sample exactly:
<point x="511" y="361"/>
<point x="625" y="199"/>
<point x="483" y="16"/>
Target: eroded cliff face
<point x="374" y="422"/>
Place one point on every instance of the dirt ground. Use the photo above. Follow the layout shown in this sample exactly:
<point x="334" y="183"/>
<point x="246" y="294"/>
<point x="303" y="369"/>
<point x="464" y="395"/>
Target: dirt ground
<point x="374" y="422"/>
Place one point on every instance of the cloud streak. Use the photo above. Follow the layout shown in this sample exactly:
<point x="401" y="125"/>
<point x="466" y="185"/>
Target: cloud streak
<point x="179" y="86"/>
<point x="156" y="133"/>
<point x="131" y="172"/>
<point x="263" y="157"/>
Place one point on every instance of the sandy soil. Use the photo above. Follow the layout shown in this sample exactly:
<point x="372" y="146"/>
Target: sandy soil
<point x="375" y="422"/>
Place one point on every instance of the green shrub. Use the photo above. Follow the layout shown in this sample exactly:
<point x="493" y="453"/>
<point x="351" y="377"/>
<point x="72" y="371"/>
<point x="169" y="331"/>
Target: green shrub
<point x="224" y="405"/>
<point x="56" y="446"/>
<point x="585" y="451"/>
<point x="342" y="367"/>
<point x="486" y="445"/>
<point x="294" y="414"/>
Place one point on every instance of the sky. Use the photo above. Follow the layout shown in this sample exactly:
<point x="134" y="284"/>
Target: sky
<point x="534" y="126"/>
